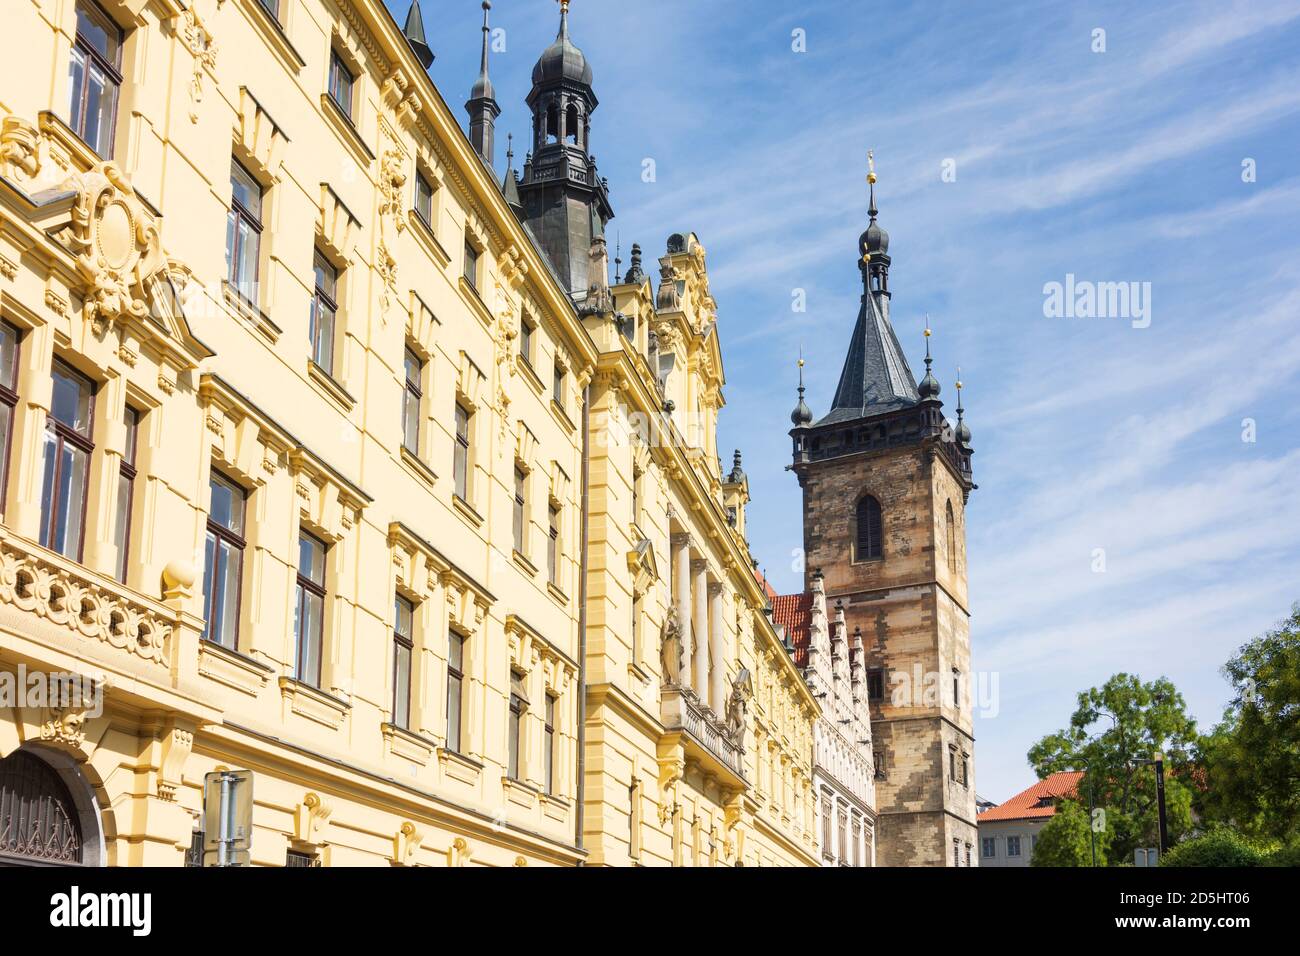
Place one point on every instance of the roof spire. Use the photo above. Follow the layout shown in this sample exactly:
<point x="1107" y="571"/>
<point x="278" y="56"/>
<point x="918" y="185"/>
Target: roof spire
<point x="482" y="106"/>
<point x="564" y="18"/>
<point x="929" y="386"/>
<point x="963" y="430"/>
<point x="510" y="184"/>
<point x="873" y="245"/>
<point x="618" y="256"/>
<point x="414" y="33"/>
<point x="802" y="414"/>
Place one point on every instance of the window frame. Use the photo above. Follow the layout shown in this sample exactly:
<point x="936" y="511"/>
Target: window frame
<point x="421" y="195"/>
<point x="461" y="468"/>
<point x="519" y="512"/>
<point x="402" y="642"/>
<point x="874" y="540"/>
<point x="549" y="740"/>
<point x="323" y="300"/>
<point x="126" y="480"/>
<point x="456" y="673"/>
<point x="234" y="540"/>
<point x="242" y="214"/>
<point x="517" y="708"/>
<point x="339" y="69"/>
<point x="988" y="848"/>
<point x="526" y="330"/>
<point x="470" y="267"/>
<point x="306" y="586"/>
<point x="553" y="544"/>
<point x="9" y="399"/>
<point x="412" y="392"/>
<point x="85" y="443"/>
<point x="112" y="71"/>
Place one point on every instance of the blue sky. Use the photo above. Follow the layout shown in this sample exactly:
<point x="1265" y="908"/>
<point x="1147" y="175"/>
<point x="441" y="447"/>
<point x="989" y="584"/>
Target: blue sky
<point x="1115" y="166"/>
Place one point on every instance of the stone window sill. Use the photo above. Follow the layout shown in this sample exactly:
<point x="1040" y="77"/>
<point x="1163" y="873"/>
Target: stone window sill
<point x="345" y="127"/>
<point x="249" y="312"/>
<point x="331" y="386"/>
<point x="416" y="465"/>
<point x="411" y="746"/>
<point x="272" y="30"/>
<point x="307" y="701"/>
<point x="466" y="511"/>
<point x="229" y="667"/>
<point x="459" y="767"/>
<point x="475" y="301"/>
<point x="426" y="237"/>
<point x="521" y="559"/>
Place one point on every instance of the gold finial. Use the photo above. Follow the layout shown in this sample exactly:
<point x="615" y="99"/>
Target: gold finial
<point x="871" y="167"/>
<point x="928" y="333"/>
<point x="564" y="6"/>
<point x="959" y="378"/>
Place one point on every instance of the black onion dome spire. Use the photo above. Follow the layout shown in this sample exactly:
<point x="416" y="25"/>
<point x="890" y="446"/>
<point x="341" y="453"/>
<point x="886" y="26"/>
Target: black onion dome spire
<point x="801" y="417"/>
<point x="562" y="60"/>
<point x="963" y="430"/>
<point x="929" y="387"/>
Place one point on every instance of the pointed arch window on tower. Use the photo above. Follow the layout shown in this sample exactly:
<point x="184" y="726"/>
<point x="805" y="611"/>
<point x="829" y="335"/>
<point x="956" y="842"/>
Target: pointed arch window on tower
<point x="867" y="534"/>
<point x="952" y="540"/>
<point x="572" y="125"/>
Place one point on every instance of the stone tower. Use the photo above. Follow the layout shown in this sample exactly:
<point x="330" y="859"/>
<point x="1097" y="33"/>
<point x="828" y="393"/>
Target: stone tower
<point x="885" y="481"/>
<point x="565" y="201"/>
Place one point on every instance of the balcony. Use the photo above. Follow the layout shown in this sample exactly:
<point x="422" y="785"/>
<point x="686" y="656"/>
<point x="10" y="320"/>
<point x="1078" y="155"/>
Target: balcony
<point x="703" y="735"/>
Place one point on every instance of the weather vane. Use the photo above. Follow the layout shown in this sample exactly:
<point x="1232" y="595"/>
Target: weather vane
<point x="871" y="167"/>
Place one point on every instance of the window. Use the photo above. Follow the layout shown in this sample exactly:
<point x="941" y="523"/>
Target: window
<point x="548" y="751"/>
<point x="956" y="687"/>
<point x="125" y="493"/>
<point x="952" y="764"/>
<point x="875" y="684"/>
<point x="8" y="398"/>
<point x="521" y="509"/>
<point x="518" y="706"/>
<point x="95" y="78"/>
<point x="952" y="541"/>
<point x="455" y="680"/>
<point x="67" y="462"/>
<point x="273" y="8"/>
<point x="243" y="232"/>
<point x="956" y="854"/>
<point x="471" y="265"/>
<point x="324" y="312"/>
<point x="460" y="454"/>
<point x="553" y="546"/>
<point x="526" y="343"/>
<point x="294" y="860"/>
<point x="412" y="396"/>
<point x="424" y="199"/>
<point x="868" y="529"/>
<point x="636" y="496"/>
<point x="965" y="770"/>
<point x="557" y="385"/>
<point x="636" y="629"/>
<point x="309" y="612"/>
<point x="223" y="561"/>
<point x="340" y="84"/>
<point x="403" y="649"/>
<point x="988" y="847"/>
<point x="194" y="855"/>
<point x="1013" y="846"/>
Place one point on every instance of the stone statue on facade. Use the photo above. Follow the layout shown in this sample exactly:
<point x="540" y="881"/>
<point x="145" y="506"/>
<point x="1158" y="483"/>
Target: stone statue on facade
<point x="670" y="648"/>
<point x="738" y="707"/>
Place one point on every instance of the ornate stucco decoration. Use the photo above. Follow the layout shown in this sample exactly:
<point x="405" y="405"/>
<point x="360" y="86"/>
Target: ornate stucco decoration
<point x="400" y="97"/>
<point x="115" y="239"/>
<point x="34" y="584"/>
<point x="19" y="144"/>
<point x="311" y="818"/>
<point x="203" y="48"/>
<point x="392" y="183"/>
<point x="668" y="298"/>
<point x="406" y="843"/>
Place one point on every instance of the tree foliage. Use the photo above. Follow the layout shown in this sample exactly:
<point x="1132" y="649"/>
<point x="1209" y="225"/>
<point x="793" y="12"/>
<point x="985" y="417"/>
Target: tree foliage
<point x="1218" y="847"/>
<point x="1136" y="720"/>
<point x="1251" y="760"/>
<point x="1066" y="839"/>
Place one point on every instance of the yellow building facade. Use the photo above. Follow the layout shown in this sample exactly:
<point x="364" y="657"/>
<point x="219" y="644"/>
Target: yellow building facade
<point x="310" y="464"/>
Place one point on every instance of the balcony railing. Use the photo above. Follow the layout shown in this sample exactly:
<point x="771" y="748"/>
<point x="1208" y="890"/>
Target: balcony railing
<point x="702" y="731"/>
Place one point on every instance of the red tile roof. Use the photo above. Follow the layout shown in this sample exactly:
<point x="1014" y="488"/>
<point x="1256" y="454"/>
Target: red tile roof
<point x="794" y="613"/>
<point x="1039" y="801"/>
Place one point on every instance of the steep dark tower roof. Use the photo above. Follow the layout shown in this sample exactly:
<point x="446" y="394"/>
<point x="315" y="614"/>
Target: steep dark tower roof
<point x="876" y="377"/>
<point x="562" y="60"/>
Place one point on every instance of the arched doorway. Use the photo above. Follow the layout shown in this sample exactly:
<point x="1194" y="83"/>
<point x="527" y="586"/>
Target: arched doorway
<point x="41" y="823"/>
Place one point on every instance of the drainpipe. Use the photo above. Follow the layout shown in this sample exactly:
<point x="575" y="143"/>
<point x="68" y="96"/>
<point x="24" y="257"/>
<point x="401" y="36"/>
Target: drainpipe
<point x="582" y="616"/>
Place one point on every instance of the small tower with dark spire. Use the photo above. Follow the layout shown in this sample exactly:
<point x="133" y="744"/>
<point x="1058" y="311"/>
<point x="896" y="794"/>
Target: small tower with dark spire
<point x="482" y="104"/>
<point x="563" y="194"/>
<point x="885" y="484"/>
<point x="414" y="33"/>
<point x="510" y="184"/>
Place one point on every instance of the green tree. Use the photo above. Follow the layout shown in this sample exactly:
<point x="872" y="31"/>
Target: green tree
<point x="1066" y="840"/>
<point x="1135" y="721"/>
<point x="1218" y="847"/>
<point x="1251" y="760"/>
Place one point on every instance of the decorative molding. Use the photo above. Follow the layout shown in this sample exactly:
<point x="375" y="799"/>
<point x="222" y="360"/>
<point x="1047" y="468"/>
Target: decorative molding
<point x="67" y="598"/>
<point x="337" y="228"/>
<point x="260" y="137"/>
<point x="199" y="41"/>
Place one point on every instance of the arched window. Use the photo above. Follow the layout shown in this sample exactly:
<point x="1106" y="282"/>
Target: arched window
<point x="552" y="123"/>
<point x="952" y="541"/>
<point x="572" y="125"/>
<point x="868" y="529"/>
<point x="38" y="821"/>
